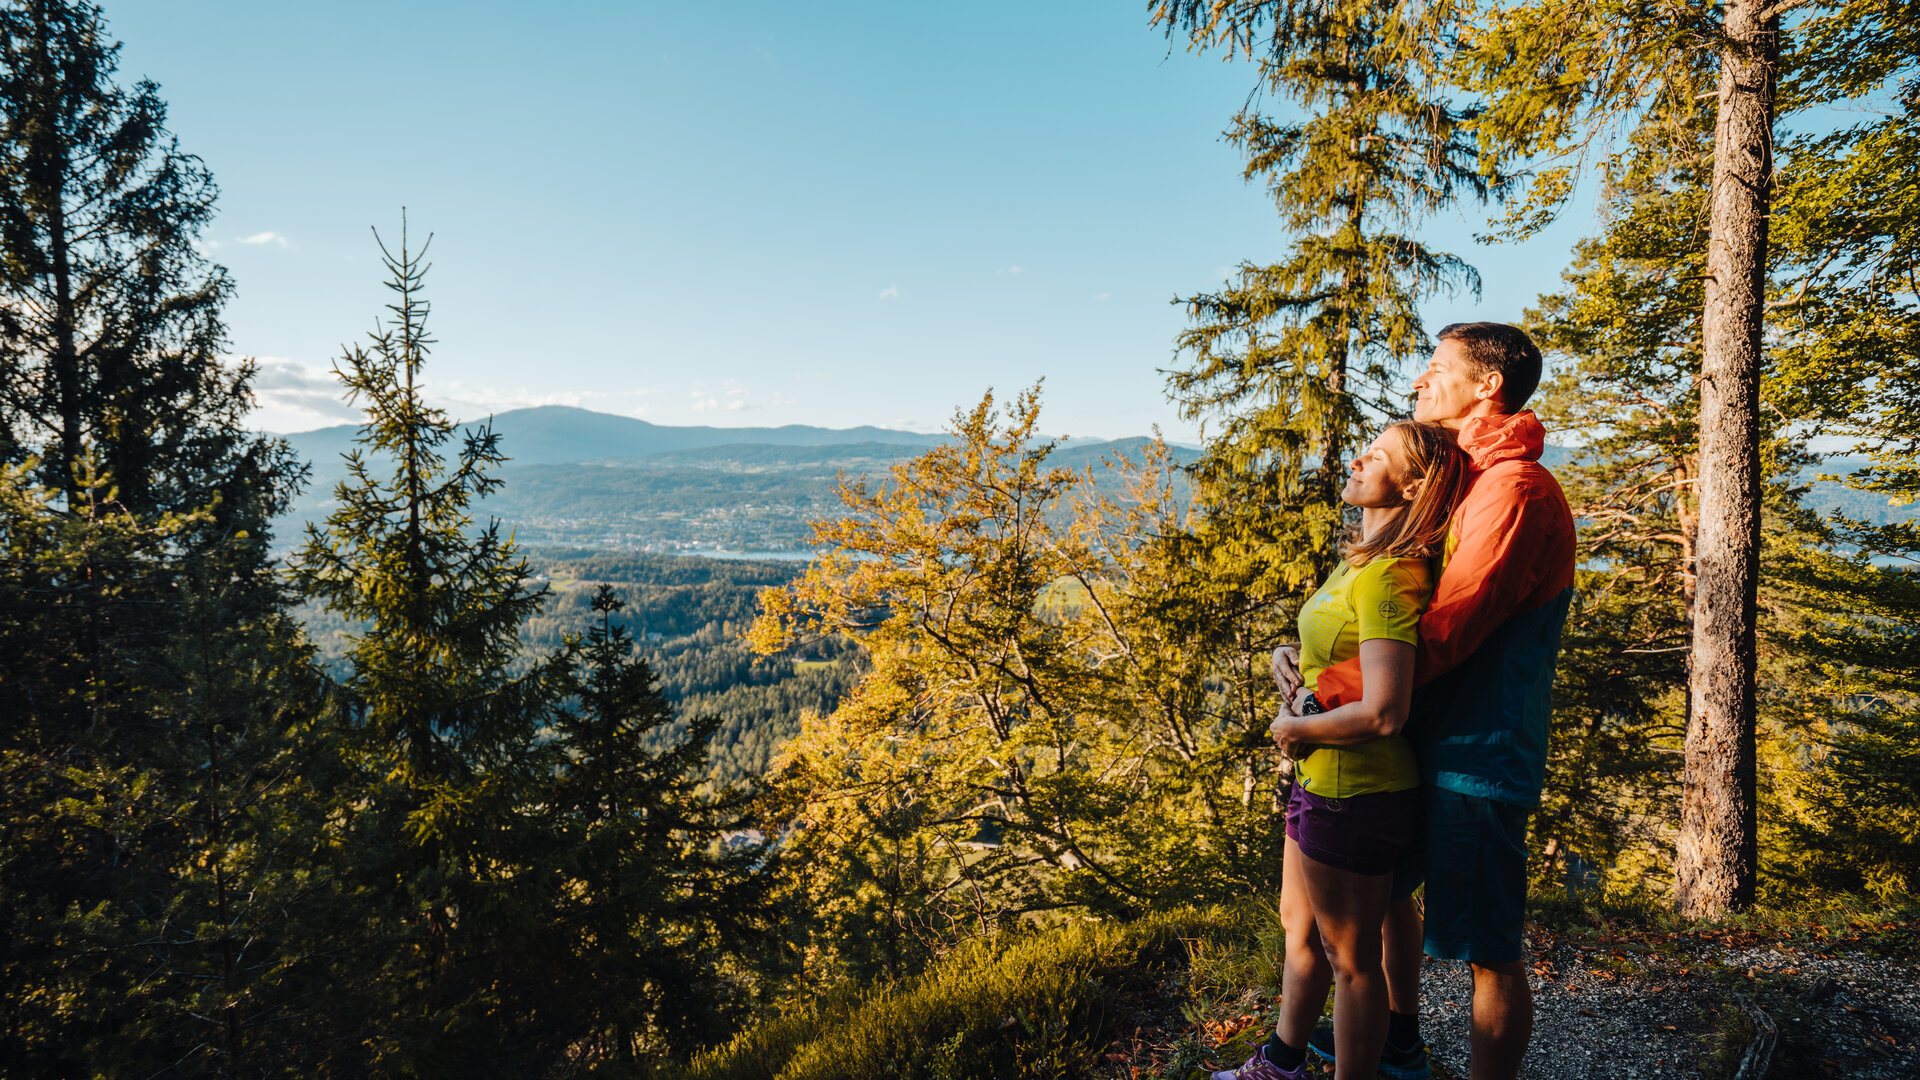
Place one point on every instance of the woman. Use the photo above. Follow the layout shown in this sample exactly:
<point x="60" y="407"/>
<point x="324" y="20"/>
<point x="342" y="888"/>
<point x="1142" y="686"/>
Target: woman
<point x="1355" y="807"/>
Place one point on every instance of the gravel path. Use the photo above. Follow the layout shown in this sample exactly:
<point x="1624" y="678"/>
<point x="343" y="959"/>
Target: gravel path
<point x="1641" y="1005"/>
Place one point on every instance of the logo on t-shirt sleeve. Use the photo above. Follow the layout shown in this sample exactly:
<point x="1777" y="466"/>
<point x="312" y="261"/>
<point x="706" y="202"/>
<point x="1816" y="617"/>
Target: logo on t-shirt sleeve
<point x="1389" y="609"/>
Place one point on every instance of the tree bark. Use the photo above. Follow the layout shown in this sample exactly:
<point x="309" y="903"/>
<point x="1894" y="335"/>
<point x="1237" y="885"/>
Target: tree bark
<point x="1716" y="863"/>
<point x="66" y="353"/>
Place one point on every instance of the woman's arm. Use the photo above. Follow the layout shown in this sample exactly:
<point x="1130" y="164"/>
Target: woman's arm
<point x="1386" y="669"/>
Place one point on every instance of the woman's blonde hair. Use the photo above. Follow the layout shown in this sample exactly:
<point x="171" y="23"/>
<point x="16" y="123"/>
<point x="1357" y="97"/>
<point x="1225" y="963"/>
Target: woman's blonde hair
<point x="1417" y="529"/>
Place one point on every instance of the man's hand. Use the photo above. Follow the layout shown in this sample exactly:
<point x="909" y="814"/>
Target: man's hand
<point x="1286" y="669"/>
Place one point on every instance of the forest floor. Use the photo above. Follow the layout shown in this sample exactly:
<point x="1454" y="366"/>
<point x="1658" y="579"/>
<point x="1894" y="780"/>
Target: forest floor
<point x="1613" y="1000"/>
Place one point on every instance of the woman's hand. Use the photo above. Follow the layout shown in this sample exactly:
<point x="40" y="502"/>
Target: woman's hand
<point x="1285" y="737"/>
<point x="1286" y="668"/>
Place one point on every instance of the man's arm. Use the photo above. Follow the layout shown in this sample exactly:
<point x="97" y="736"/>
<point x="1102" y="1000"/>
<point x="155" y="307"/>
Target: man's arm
<point x="1511" y="543"/>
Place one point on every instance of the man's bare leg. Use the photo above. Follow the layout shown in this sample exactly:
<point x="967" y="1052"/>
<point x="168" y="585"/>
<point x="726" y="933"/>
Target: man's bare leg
<point x="1400" y="945"/>
<point x="1502" y="1020"/>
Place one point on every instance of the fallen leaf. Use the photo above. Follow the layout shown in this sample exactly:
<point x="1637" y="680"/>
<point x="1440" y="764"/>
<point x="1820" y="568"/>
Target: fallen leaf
<point x="1668" y="1027"/>
<point x="1588" y="1012"/>
<point x="1888" y="1039"/>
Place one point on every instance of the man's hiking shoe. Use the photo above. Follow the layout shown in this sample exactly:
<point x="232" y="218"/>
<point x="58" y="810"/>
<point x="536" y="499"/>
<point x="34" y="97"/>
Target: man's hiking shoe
<point x="1259" y="1068"/>
<point x="1398" y="1062"/>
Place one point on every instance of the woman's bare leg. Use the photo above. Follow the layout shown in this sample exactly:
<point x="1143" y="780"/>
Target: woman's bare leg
<point x="1347" y="911"/>
<point x="1306" y="977"/>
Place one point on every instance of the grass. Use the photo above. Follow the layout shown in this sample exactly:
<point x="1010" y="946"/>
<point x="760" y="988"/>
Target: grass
<point x="1891" y="930"/>
<point x="1037" y="1003"/>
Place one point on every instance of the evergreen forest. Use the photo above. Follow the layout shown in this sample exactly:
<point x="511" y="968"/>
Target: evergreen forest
<point x="325" y="768"/>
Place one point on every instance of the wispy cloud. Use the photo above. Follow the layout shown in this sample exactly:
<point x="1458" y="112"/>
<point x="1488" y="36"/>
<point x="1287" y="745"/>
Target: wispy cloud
<point x="1101" y="295"/>
<point x="891" y="292"/>
<point x="1010" y="270"/>
<point x="283" y="386"/>
<point x="732" y="397"/>
<point x="273" y="238"/>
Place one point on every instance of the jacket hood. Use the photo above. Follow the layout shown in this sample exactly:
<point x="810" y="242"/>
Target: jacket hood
<point x="1490" y="440"/>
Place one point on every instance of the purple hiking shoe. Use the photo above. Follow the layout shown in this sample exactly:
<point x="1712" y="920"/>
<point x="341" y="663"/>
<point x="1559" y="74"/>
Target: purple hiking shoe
<point x="1259" y="1068"/>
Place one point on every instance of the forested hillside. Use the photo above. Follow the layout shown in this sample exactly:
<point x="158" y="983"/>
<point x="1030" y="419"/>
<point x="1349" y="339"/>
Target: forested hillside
<point x="687" y="616"/>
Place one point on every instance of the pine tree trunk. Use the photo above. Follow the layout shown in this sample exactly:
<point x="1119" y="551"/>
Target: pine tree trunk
<point x="1716" y="861"/>
<point x="66" y="353"/>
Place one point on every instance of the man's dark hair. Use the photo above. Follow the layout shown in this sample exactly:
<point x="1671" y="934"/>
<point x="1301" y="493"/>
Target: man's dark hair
<point x="1492" y="346"/>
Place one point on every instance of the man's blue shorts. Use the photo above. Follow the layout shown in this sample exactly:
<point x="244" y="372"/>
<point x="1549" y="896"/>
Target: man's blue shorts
<point x="1475" y="866"/>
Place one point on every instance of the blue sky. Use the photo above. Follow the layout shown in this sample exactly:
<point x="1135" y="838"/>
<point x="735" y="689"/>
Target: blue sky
<point x="733" y="213"/>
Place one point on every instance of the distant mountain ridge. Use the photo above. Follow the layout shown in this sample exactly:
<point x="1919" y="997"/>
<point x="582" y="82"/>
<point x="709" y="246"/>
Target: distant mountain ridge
<point x="561" y="434"/>
<point x="578" y="477"/>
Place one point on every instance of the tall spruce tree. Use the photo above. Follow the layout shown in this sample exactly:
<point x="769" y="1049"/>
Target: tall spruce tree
<point x="650" y="892"/>
<point x="443" y="736"/>
<point x="110" y="328"/>
<point x="153" y="685"/>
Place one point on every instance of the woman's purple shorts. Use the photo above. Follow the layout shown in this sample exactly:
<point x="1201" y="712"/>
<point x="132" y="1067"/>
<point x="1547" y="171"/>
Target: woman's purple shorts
<point x="1362" y="834"/>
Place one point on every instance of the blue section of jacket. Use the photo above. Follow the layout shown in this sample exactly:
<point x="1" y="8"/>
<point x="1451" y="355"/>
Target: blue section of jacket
<point x="1481" y="729"/>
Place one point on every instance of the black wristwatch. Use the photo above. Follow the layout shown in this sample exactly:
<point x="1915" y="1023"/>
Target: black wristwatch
<point x="1311" y="705"/>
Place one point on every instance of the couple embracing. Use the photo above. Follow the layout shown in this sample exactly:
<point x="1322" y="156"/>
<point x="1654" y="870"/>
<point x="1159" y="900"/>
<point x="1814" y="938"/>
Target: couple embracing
<point x="1416" y="716"/>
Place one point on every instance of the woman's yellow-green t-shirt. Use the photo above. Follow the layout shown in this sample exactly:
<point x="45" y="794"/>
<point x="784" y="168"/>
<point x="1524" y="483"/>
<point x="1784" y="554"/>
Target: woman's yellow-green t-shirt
<point x="1383" y="599"/>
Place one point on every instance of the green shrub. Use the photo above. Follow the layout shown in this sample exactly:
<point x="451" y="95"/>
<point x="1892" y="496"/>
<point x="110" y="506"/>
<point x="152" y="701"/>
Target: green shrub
<point x="1036" y="1003"/>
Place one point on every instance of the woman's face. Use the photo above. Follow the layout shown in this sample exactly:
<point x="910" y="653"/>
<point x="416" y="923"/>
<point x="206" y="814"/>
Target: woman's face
<point x="1378" y="476"/>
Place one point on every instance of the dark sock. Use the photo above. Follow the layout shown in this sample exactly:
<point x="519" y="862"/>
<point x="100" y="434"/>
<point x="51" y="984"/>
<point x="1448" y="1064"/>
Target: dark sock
<point x="1403" y="1029"/>
<point x="1287" y="1057"/>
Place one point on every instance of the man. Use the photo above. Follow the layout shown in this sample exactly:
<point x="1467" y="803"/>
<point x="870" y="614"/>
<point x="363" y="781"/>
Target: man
<point x="1479" y="719"/>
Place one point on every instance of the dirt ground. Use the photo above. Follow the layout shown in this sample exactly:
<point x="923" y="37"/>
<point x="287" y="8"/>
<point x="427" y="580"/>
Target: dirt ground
<point x="1645" y="1005"/>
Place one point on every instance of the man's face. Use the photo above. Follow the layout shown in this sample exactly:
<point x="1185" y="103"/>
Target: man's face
<point x="1449" y="391"/>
